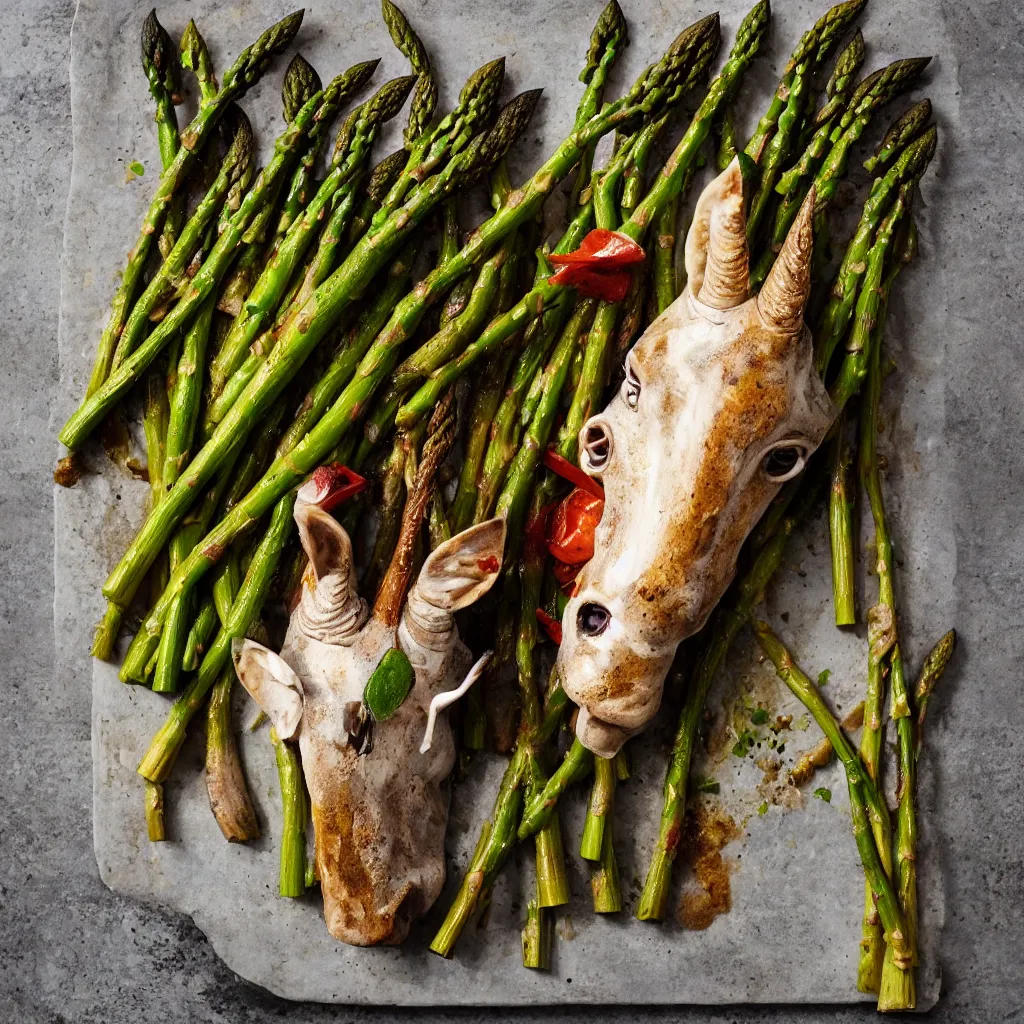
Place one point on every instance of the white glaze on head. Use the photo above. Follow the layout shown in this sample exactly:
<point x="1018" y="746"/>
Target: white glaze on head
<point x="379" y="818"/>
<point x="720" y="386"/>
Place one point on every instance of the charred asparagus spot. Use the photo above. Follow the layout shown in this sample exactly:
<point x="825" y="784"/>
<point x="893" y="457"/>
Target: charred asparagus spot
<point x="225" y="781"/>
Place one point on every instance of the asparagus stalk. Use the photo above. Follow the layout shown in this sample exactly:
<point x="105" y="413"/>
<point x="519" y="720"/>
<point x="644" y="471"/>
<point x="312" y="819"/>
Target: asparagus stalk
<point x="933" y="667"/>
<point x="195" y="56"/>
<point x="156" y="831"/>
<point x="839" y="93"/>
<point x="199" y="635"/>
<point x="225" y="781"/>
<point x="159" y="758"/>
<point x="247" y="69"/>
<point x="354" y="143"/>
<point x="232" y="179"/>
<point x="604" y="876"/>
<point x="301" y="336"/>
<point x="815" y="44"/>
<point x="576" y="765"/>
<point x="665" y="290"/>
<point x="882" y="616"/>
<point x="301" y="81"/>
<point x="907" y="127"/>
<point x="860" y="786"/>
<point x="840" y="527"/>
<point x="537" y="937"/>
<point x="163" y="72"/>
<point x="292" y="874"/>
<point x="319" y="108"/>
<point x="424" y="98"/>
<point x="599" y="809"/>
<point x="835" y="318"/>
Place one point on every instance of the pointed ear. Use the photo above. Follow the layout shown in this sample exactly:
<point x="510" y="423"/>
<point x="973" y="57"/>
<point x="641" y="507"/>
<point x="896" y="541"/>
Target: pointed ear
<point x="324" y="540"/>
<point x="271" y="683"/>
<point x="464" y="568"/>
<point x="458" y="573"/>
<point x="717" y="261"/>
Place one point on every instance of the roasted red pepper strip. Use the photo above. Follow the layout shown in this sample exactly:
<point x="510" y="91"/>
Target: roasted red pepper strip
<point x="603" y="249"/>
<point x="551" y="626"/>
<point x="572" y="526"/>
<point x="330" y="485"/>
<point x="609" y="286"/>
<point x="567" y="471"/>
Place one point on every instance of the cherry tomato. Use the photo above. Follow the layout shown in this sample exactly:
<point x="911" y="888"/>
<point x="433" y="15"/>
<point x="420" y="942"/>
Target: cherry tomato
<point x="572" y="525"/>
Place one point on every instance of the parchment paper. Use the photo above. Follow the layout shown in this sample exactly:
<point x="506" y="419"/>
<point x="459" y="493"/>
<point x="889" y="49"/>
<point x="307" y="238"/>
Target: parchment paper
<point x="796" y="884"/>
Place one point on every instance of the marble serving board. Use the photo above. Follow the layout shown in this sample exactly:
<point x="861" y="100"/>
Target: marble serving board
<point x="790" y="868"/>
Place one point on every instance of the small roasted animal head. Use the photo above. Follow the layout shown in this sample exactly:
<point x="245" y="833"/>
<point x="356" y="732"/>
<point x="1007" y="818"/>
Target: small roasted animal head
<point x="378" y="806"/>
<point x="721" y="404"/>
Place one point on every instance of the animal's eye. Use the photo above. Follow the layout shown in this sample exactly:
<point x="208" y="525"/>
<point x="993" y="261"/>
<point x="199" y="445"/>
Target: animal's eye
<point x="592" y="619"/>
<point x="631" y="387"/>
<point x="597" y="446"/>
<point x="784" y="461"/>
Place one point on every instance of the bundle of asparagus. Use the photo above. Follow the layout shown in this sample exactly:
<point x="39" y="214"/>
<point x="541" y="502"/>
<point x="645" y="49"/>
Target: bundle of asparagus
<point x="280" y="327"/>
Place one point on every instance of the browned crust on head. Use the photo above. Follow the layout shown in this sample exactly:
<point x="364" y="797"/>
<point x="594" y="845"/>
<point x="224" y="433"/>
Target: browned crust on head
<point x="755" y="401"/>
<point x="351" y="890"/>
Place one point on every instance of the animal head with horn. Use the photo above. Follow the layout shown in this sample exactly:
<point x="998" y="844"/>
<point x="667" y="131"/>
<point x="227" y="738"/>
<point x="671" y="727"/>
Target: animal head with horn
<point x="378" y="803"/>
<point x="721" y="404"/>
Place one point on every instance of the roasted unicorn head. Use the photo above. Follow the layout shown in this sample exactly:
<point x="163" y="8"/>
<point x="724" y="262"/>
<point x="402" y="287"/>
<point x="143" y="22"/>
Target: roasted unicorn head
<point x="721" y="404"/>
<point x="379" y="808"/>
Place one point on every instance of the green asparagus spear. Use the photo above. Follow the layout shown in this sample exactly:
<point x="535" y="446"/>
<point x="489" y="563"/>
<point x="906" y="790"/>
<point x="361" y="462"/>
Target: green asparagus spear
<point x="907" y="127"/>
<point x="424" y="98"/>
<point x="234" y="175"/>
<point x="860" y="787"/>
<point x="836" y="317"/>
<point x="195" y="56"/>
<point x="361" y="130"/>
<point x="92" y="411"/>
<point x="245" y="72"/>
<point x="840" y="523"/>
<point x="814" y="46"/>
<point x="163" y="72"/>
<point x="934" y="665"/>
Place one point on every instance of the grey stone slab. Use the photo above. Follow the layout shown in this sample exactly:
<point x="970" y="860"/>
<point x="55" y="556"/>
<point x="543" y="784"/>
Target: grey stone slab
<point x="793" y="931"/>
<point x="74" y="951"/>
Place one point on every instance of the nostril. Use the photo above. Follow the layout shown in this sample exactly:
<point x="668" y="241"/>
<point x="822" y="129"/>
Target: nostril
<point x="592" y="619"/>
<point x="597" y="445"/>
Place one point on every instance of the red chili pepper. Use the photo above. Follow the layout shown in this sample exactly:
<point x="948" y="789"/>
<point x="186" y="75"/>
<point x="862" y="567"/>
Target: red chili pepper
<point x="567" y="471"/>
<point x="609" y="286"/>
<point x="330" y="485"/>
<point x="572" y="527"/>
<point x="551" y="626"/>
<point x="602" y="248"/>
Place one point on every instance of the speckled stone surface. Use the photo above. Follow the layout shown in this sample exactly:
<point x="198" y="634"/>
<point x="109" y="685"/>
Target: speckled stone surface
<point x="73" y="951"/>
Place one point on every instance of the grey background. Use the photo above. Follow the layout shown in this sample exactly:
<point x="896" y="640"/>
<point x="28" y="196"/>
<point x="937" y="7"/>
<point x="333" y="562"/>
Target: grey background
<point x="72" y="951"/>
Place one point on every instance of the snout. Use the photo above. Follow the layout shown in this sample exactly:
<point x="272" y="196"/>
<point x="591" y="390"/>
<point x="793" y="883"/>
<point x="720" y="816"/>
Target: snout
<point x="617" y="688"/>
